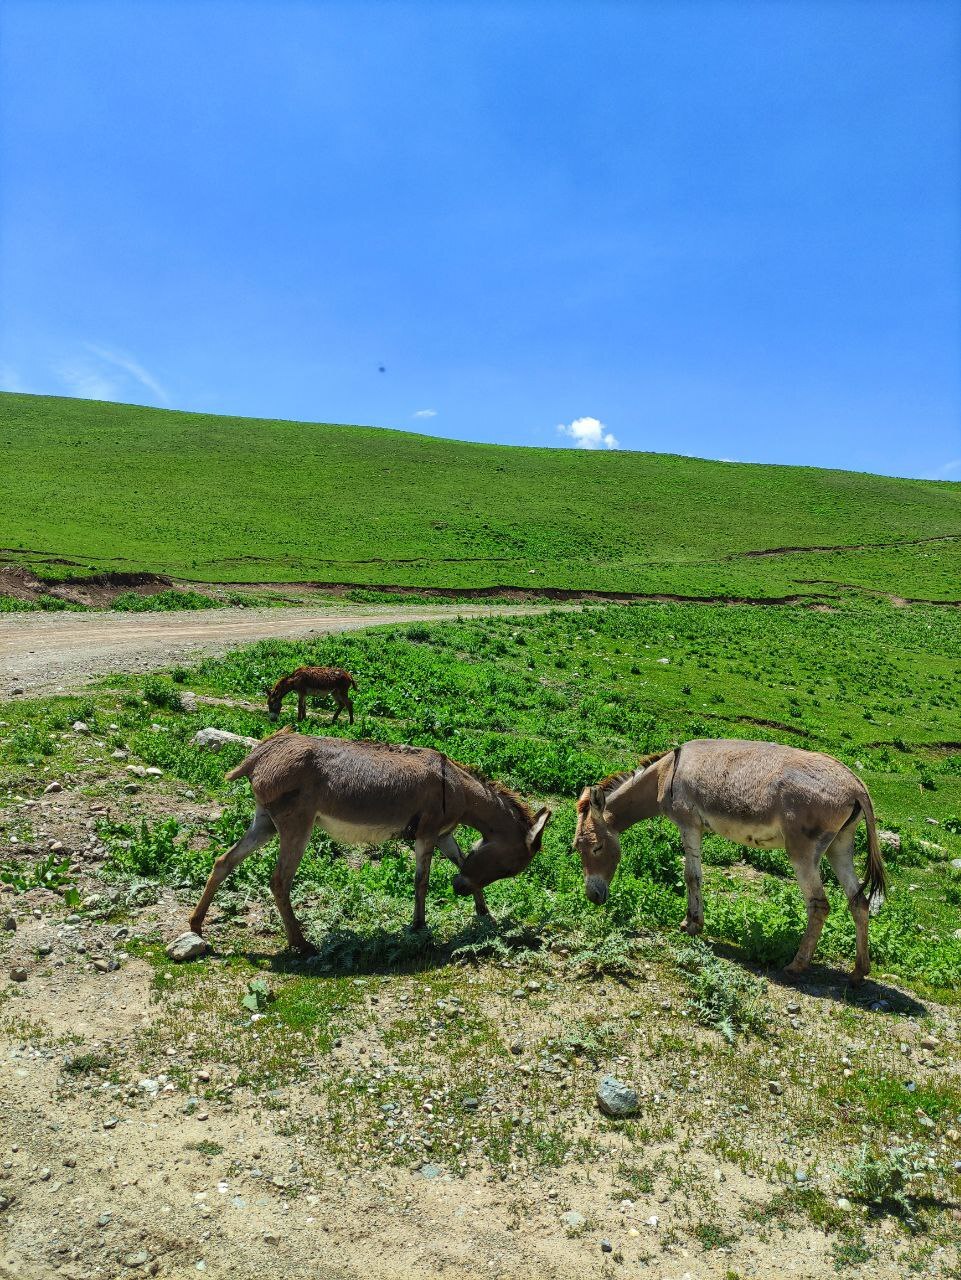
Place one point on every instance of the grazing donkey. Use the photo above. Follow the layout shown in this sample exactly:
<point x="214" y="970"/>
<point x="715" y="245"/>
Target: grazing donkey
<point x="364" y="793"/>
<point x="313" y="680"/>
<point x="756" y="793"/>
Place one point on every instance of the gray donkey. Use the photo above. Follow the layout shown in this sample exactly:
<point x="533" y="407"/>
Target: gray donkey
<point x="364" y="793"/>
<point x="759" y="794"/>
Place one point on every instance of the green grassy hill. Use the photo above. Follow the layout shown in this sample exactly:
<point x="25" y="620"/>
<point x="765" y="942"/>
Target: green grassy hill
<point x="94" y="486"/>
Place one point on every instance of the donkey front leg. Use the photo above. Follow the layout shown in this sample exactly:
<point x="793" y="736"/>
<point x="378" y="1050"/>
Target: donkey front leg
<point x="423" y="854"/>
<point x="694" y="920"/>
<point x="255" y="837"/>
<point x="449" y="847"/>
<point x="301" y="706"/>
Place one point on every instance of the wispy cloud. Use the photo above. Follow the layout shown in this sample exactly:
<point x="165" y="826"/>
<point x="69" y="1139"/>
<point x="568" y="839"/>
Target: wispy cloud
<point x="107" y="374"/>
<point x="10" y="380"/>
<point x="425" y="413"/>
<point x="129" y="365"/>
<point x="948" y="469"/>
<point x="589" y="433"/>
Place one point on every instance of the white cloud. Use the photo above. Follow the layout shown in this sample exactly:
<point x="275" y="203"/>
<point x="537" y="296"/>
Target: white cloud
<point x="130" y="366"/>
<point x="425" y="413"/>
<point x="589" y="433"/>
<point x="106" y="374"/>
<point x="87" y="383"/>
<point x="949" y="468"/>
<point x="10" y="380"/>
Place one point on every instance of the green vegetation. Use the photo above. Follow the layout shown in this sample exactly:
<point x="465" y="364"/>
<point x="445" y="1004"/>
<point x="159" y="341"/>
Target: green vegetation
<point x="549" y="704"/>
<point x="346" y="504"/>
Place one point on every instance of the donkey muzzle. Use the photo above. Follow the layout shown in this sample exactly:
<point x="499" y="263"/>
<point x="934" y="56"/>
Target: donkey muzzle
<point x="596" y="889"/>
<point x="462" y="886"/>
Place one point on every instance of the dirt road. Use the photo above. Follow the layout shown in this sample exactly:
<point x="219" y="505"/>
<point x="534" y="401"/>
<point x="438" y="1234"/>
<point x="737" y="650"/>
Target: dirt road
<point x="51" y="652"/>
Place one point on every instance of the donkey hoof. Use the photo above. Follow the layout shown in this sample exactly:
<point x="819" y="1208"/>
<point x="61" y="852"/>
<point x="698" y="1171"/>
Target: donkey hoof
<point x="793" y="970"/>
<point x="692" y="927"/>
<point x="857" y="976"/>
<point x="304" y="948"/>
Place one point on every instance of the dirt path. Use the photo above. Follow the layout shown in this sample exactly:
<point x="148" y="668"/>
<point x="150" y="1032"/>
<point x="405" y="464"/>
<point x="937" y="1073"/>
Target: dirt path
<point x="49" y="653"/>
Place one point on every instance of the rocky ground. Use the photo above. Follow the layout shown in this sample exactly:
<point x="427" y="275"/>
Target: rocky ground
<point x="250" y="1112"/>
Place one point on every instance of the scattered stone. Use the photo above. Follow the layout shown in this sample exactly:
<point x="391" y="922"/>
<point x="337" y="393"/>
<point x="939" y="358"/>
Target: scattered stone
<point x="606" y="1246"/>
<point x="214" y="739"/>
<point x="775" y="1087"/>
<point x="154" y="772"/>
<point x="43" y="1175"/>
<point x="138" y="1259"/>
<point x="104" y="966"/>
<point x="271" y="1237"/>
<point x="105" y="1220"/>
<point x="845" y="1204"/>
<point x="517" y="1046"/>
<point x="80" y="727"/>
<point x="52" y="788"/>
<point x="44" y="949"/>
<point x="800" y="1175"/>
<point x="188" y="946"/>
<point x="10" y="924"/>
<point x="18" y="975"/>
<point x="573" y="1219"/>
<point x="470" y="1104"/>
<point x="110" y="1122"/>
<point x="930" y="1042"/>
<point x="430" y="1171"/>
<point x="794" y="1007"/>
<point x="890" y="841"/>
<point x="120" y="754"/>
<point x="616" y="1098"/>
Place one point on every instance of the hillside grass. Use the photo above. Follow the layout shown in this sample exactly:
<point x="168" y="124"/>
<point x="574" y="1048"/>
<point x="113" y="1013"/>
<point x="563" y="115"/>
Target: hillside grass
<point x="208" y="498"/>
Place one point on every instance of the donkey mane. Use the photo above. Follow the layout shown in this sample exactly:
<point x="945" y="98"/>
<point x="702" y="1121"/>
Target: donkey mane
<point x="614" y="780"/>
<point x="510" y="799"/>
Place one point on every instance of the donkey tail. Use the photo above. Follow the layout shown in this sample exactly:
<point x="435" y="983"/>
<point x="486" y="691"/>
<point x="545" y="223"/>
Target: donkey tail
<point x="875" y="878"/>
<point x="351" y="681"/>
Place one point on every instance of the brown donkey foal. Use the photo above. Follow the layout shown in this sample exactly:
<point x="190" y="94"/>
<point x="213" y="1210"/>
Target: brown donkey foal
<point x="309" y="681"/>
<point x="758" y="794"/>
<point x="364" y="793"/>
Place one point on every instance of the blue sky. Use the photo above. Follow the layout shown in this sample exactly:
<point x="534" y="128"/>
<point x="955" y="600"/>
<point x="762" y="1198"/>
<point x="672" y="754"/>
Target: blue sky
<point x="725" y="229"/>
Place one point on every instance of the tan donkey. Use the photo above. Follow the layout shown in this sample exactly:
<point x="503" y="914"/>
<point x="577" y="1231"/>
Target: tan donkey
<point x="365" y="793"/>
<point x="758" y="794"/>
<point x="313" y="681"/>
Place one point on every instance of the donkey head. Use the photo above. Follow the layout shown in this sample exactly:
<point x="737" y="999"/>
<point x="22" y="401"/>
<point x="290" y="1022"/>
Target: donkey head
<point x="598" y="845"/>
<point x="501" y="854"/>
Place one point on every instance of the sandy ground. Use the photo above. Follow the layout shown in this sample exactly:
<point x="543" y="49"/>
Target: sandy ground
<point x="58" y="652"/>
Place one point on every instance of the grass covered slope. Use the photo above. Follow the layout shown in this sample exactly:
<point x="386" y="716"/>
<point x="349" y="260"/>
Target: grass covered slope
<point x="96" y="486"/>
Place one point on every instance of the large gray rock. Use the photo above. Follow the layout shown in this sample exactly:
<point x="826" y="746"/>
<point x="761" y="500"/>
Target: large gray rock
<point x="214" y="739"/>
<point x="187" y="947"/>
<point x="616" y="1098"/>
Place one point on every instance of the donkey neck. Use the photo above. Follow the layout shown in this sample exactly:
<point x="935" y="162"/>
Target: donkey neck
<point x="638" y="797"/>
<point x="487" y="809"/>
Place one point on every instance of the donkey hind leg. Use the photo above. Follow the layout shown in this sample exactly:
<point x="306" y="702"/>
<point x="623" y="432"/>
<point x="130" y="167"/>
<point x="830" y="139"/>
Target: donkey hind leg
<point x="694" y="920"/>
<point x="301" y="706"/>
<point x="805" y="855"/>
<point x="449" y="847"/>
<point x="294" y="836"/>
<point x="840" y="854"/>
<point x="255" y="837"/>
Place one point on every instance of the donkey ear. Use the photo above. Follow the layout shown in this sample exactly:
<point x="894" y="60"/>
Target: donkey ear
<point x="597" y="803"/>
<point x="541" y="819"/>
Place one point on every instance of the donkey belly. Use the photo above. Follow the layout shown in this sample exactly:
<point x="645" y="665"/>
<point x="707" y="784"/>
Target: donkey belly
<point x="355" y="832"/>
<point x="756" y="835"/>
